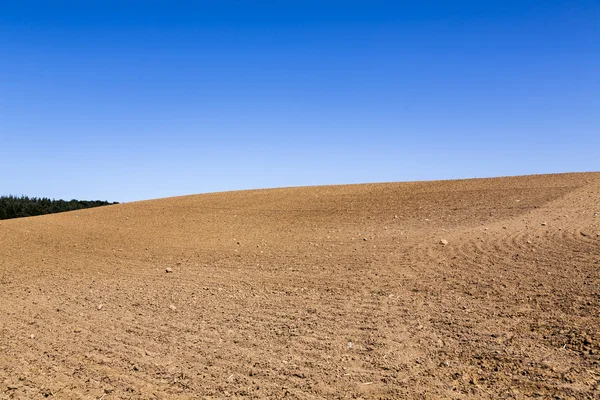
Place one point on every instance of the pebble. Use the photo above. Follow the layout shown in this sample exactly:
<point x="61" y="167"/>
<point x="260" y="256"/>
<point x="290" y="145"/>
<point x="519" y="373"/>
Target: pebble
<point x="168" y="270"/>
<point x="350" y="345"/>
<point x="100" y="306"/>
<point x="443" y="242"/>
<point x="544" y="224"/>
<point x="172" y="307"/>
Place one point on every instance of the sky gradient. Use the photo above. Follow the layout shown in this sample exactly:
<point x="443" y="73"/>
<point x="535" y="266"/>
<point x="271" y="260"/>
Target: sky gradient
<point x="132" y="100"/>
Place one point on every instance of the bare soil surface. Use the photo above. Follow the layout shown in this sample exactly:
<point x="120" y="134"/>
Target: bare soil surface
<point x="483" y="288"/>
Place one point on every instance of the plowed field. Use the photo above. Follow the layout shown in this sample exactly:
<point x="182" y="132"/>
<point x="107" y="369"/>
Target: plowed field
<point x="482" y="288"/>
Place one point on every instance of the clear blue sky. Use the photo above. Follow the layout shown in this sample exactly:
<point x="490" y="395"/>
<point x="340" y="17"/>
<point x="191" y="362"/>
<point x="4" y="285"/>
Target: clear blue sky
<point x="129" y="100"/>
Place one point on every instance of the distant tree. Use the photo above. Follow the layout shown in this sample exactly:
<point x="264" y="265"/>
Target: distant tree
<point x="18" y="207"/>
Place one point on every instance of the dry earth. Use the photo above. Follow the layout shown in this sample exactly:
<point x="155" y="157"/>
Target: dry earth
<point x="307" y="293"/>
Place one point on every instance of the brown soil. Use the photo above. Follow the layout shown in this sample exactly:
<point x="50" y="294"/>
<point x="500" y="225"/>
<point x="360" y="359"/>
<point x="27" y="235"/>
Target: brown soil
<point x="306" y="293"/>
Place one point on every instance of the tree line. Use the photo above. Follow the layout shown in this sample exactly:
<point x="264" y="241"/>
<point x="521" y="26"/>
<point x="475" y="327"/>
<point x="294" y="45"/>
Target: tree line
<point x="17" y="207"/>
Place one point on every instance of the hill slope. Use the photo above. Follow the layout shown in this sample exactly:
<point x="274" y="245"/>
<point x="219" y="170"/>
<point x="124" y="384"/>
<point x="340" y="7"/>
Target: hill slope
<point x="318" y="292"/>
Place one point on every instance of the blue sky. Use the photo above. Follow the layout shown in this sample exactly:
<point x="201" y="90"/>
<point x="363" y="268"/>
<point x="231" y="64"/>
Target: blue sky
<point x="130" y="100"/>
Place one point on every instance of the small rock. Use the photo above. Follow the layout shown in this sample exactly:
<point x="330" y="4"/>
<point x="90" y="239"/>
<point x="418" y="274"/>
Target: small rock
<point x="100" y="306"/>
<point x="77" y="330"/>
<point x="168" y="270"/>
<point x="529" y="242"/>
<point x="443" y="242"/>
<point x="32" y="336"/>
<point x="350" y="345"/>
<point x="172" y="307"/>
<point x="544" y="224"/>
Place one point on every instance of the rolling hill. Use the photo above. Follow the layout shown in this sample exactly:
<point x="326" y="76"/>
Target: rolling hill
<point x="480" y="288"/>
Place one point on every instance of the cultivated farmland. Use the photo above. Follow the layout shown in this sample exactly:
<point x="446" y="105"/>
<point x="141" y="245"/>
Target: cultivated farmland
<point x="482" y="288"/>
